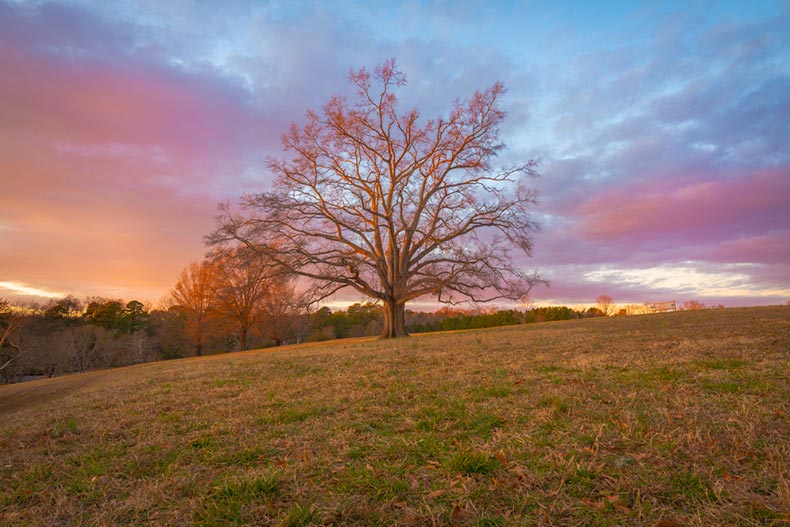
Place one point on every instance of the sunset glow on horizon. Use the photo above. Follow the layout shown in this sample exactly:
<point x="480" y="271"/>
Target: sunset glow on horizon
<point x="662" y="132"/>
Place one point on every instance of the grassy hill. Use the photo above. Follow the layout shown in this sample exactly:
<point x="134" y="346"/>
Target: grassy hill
<point x="672" y="419"/>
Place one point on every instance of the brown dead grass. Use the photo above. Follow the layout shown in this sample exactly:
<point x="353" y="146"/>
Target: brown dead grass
<point x="672" y="419"/>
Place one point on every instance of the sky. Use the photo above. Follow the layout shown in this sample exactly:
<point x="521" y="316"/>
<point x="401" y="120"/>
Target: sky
<point x="662" y="130"/>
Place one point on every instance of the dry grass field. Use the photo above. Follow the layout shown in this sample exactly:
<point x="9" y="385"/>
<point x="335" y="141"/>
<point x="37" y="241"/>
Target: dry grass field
<point x="664" y="420"/>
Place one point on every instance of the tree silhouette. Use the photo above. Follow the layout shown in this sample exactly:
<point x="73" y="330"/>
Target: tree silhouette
<point x="242" y="281"/>
<point x="194" y="295"/>
<point x="393" y="206"/>
<point x="10" y="323"/>
<point x="605" y="304"/>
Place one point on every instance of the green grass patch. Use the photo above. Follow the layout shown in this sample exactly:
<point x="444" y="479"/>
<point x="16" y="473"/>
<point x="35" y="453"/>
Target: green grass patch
<point x="246" y="457"/>
<point x="229" y="504"/>
<point x="457" y="416"/>
<point x="722" y="364"/>
<point x="722" y="386"/>
<point x="470" y="462"/>
<point x="580" y="482"/>
<point x="489" y="521"/>
<point x="26" y="487"/>
<point x="688" y="487"/>
<point x="549" y="368"/>
<point x="294" y="414"/>
<point x="496" y="391"/>
<point x="300" y="515"/>
<point x="65" y="426"/>
<point x="383" y="483"/>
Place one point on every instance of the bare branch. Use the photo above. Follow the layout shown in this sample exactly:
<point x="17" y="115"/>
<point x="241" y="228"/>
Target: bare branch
<point x="371" y="200"/>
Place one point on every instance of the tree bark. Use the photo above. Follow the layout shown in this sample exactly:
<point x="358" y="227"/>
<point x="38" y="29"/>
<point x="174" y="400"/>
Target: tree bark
<point x="243" y="338"/>
<point x="394" y="320"/>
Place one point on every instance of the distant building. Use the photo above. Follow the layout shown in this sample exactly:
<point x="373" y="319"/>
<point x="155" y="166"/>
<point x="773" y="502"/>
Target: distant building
<point x="661" y="307"/>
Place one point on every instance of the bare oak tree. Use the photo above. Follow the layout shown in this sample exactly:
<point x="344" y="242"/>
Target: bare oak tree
<point x="393" y="206"/>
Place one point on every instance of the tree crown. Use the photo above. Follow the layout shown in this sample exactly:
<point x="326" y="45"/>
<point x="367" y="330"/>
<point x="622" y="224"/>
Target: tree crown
<point x="372" y="199"/>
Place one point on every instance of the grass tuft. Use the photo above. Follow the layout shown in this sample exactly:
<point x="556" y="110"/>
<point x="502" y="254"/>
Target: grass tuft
<point x="469" y="462"/>
<point x="299" y="515"/>
<point x="65" y="426"/>
<point x="230" y="503"/>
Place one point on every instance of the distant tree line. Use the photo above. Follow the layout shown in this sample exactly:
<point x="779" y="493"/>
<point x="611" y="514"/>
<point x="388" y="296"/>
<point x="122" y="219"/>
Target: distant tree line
<point x="198" y="318"/>
<point x="450" y="320"/>
<point x="66" y="336"/>
<point x="366" y="319"/>
<point x="234" y="300"/>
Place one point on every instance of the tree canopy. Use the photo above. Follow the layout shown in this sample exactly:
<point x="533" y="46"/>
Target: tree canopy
<point x="394" y="206"/>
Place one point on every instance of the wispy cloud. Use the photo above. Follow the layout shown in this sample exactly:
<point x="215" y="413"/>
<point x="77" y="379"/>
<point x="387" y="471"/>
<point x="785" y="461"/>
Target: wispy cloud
<point x="689" y="279"/>
<point x="153" y="153"/>
<point x="21" y="289"/>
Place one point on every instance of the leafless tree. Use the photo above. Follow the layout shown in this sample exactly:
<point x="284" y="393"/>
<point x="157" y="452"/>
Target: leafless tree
<point x="605" y="304"/>
<point x="243" y="280"/>
<point x="284" y="312"/>
<point x="194" y="293"/>
<point x="693" y="305"/>
<point x="10" y="324"/>
<point x="393" y="206"/>
<point x="83" y="347"/>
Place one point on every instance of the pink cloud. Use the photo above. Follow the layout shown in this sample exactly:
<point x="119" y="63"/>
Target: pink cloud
<point x="87" y="226"/>
<point x="109" y="168"/>
<point x="685" y="209"/>
<point x="769" y="248"/>
<point x="97" y="103"/>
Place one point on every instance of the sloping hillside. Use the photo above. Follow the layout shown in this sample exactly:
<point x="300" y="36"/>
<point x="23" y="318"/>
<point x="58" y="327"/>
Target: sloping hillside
<point x="680" y="418"/>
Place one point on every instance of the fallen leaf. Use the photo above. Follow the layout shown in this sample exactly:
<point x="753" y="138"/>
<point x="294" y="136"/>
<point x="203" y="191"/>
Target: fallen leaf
<point x="455" y="514"/>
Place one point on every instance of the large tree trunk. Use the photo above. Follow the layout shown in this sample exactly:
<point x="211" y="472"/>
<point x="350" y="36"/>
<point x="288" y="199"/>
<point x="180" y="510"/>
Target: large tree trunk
<point x="394" y="320"/>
